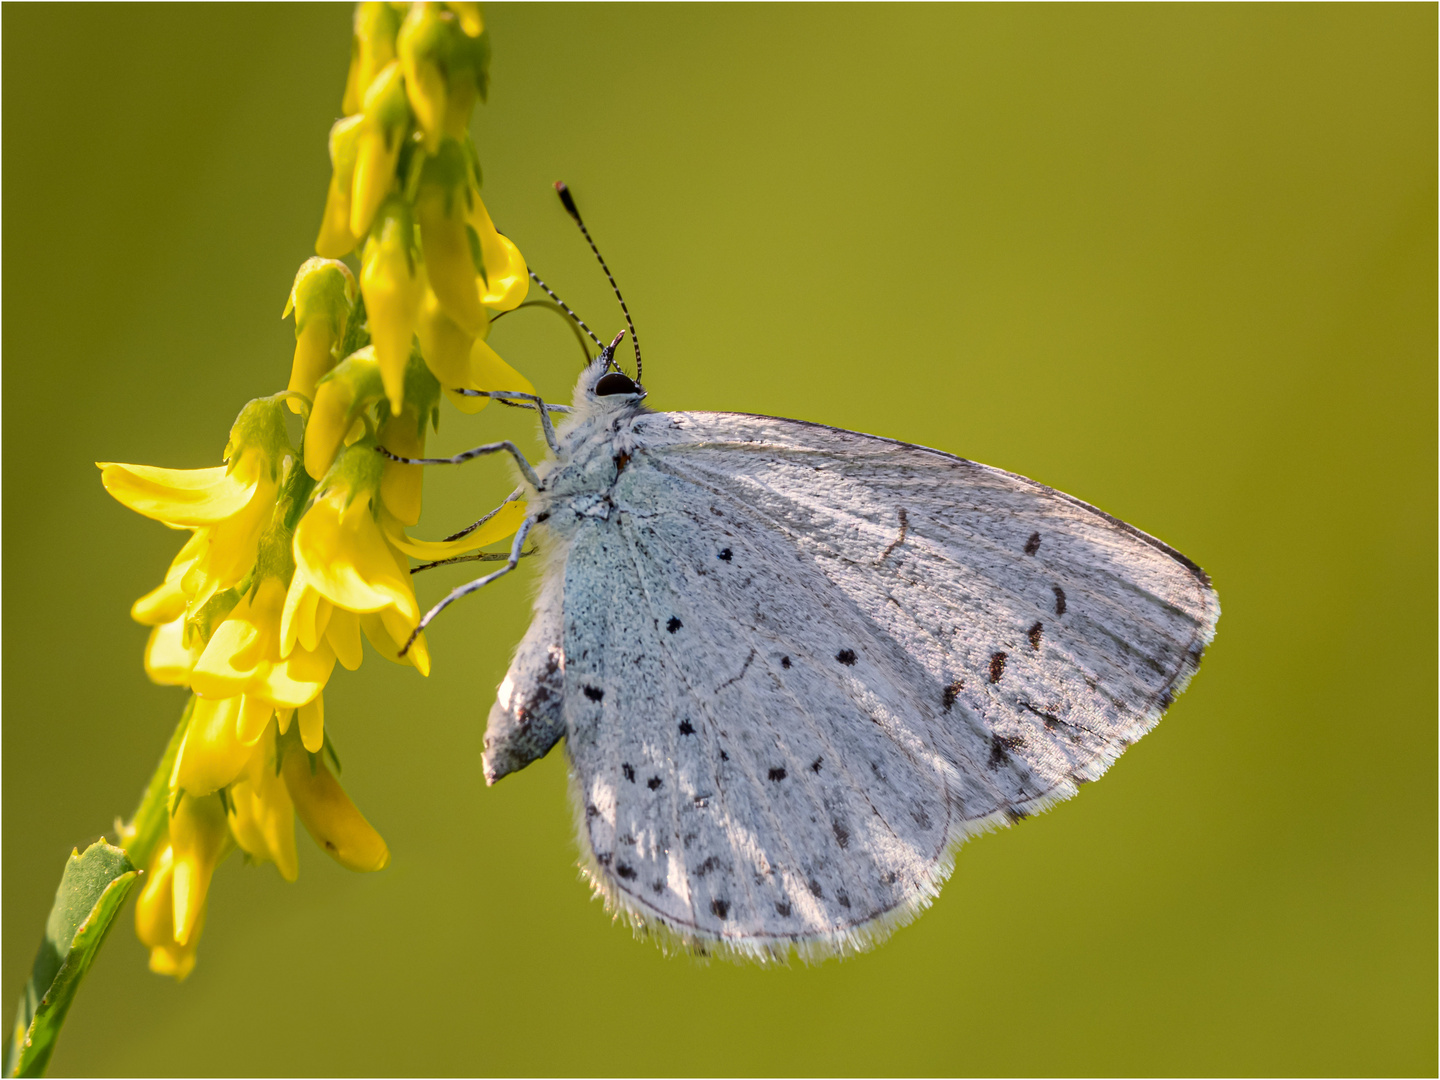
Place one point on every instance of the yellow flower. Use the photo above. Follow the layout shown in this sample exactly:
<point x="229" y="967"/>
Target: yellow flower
<point x="382" y="129"/>
<point x="371" y="49"/>
<point x="255" y="811"/>
<point x="336" y="240"/>
<point x="155" y="920"/>
<point x="462" y="361"/>
<point x="346" y="565"/>
<point x="507" y="279"/>
<point x="321" y="298"/>
<point x="341" y="399"/>
<point x="422" y="45"/>
<point x="451" y="262"/>
<point x="390" y="281"/>
<point x="229" y="507"/>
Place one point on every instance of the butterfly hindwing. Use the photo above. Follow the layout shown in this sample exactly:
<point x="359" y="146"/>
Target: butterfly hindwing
<point x="801" y="663"/>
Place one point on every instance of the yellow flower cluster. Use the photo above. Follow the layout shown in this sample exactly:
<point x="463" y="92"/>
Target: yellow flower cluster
<point x="295" y="553"/>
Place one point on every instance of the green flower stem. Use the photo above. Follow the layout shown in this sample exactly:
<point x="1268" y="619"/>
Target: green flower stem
<point x="93" y="889"/>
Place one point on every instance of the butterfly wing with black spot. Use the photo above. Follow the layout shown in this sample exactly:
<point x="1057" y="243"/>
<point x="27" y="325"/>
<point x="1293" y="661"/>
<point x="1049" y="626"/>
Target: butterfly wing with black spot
<point x="802" y="663"/>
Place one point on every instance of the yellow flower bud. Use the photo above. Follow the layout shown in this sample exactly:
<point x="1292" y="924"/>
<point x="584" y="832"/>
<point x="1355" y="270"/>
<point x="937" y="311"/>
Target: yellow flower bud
<point x="321" y="298"/>
<point x="390" y="280"/>
<point x="200" y="838"/>
<point x="377" y="146"/>
<point x="341" y="396"/>
<point x="155" y="920"/>
<point x="445" y="347"/>
<point x="441" y="206"/>
<point x="423" y="45"/>
<point x="400" y="484"/>
<point x="329" y="815"/>
<point x="471" y="19"/>
<point x="506" y="277"/>
<point x="372" y="47"/>
<point x="336" y="239"/>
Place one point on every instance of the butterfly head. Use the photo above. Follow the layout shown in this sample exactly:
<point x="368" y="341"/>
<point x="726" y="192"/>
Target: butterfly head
<point x="604" y="381"/>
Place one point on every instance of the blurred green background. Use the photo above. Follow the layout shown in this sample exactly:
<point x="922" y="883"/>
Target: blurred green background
<point x="1179" y="261"/>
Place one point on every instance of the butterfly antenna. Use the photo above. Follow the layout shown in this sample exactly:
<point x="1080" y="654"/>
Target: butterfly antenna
<point x="566" y="308"/>
<point x="568" y="201"/>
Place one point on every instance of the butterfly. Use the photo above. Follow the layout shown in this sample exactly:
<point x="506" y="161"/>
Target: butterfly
<point x="795" y="667"/>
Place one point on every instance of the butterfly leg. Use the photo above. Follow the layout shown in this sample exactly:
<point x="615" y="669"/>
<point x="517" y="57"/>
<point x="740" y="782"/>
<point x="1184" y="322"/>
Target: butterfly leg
<point x="465" y="455"/>
<point x="506" y="397"/>
<point x="516" y="550"/>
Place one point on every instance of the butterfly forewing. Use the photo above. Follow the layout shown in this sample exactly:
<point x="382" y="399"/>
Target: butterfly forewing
<point x="801" y="663"/>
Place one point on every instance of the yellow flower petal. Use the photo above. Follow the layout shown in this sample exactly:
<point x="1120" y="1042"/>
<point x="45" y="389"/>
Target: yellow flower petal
<point x="506" y="520"/>
<point x="507" y="279"/>
<point x="263" y="816"/>
<point x="343" y="633"/>
<point x="168" y="600"/>
<point x="182" y="497"/>
<point x="155" y="920"/>
<point x="377" y="146"/>
<point x="330" y="816"/>
<point x="400" y="485"/>
<point x="254" y="718"/>
<point x="390" y="282"/>
<point x="168" y="660"/>
<point x="348" y="561"/>
<point x="311" y="718"/>
<point x="212" y="754"/>
<point x="336" y="240"/>
<point x="200" y="838"/>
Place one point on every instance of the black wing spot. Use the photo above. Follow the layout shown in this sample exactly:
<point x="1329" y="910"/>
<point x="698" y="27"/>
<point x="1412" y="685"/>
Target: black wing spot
<point x="594" y="693"/>
<point x="685" y="728"/>
<point x="846" y="657"/>
<point x="815" y="765"/>
<point x="785" y="662"/>
<point x="997" y="667"/>
<point x="1000" y="747"/>
<point x="1059" y="599"/>
<point x="777" y="774"/>
<point x="952" y="692"/>
<point x="712" y="863"/>
<point x="725" y="555"/>
<point x="658" y="885"/>
<point x="844" y="899"/>
<point x="654" y="783"/>
<point x="628" y="771"/>
<point x="591" y="810"/>
<point x="724" y="756"/>
<point x="604" y="860"/>
<point x="782" y="908"/>
<point x="814" y="887"/>
<point x="1034" y="635"/>
<point x="541" y="518"/>
<point x="625" y="870"/>
<point x="1033" y="544"/>
<point x="720" y="908"/>
<point x="674" y="624"/>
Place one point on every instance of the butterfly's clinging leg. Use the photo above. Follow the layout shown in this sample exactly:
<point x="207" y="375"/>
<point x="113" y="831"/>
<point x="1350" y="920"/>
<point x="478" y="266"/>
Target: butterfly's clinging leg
<point x="474" y="556"/>
<point x="516" y="550"/>
<point x="489" y="448"/>
<point x="544" y="409"/>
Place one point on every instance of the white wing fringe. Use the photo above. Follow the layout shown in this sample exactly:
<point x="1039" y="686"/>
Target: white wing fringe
<point x="823" y="945"/>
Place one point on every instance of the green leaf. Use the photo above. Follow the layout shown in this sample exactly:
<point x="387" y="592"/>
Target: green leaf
<point x="92" y="890"/>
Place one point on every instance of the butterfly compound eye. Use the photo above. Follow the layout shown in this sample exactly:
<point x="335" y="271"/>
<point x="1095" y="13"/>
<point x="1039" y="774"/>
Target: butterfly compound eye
<point x="615" y="383"/>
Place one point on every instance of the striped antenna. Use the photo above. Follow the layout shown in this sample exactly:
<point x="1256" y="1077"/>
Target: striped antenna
<point x="568" y="201"/>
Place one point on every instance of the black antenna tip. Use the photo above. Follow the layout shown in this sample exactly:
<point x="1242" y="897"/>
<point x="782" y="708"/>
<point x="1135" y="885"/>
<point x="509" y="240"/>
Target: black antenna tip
<point x="566" y="199"/>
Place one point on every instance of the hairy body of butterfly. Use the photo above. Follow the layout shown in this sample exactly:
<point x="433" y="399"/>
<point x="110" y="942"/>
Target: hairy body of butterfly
<point x="795" y="666"/>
